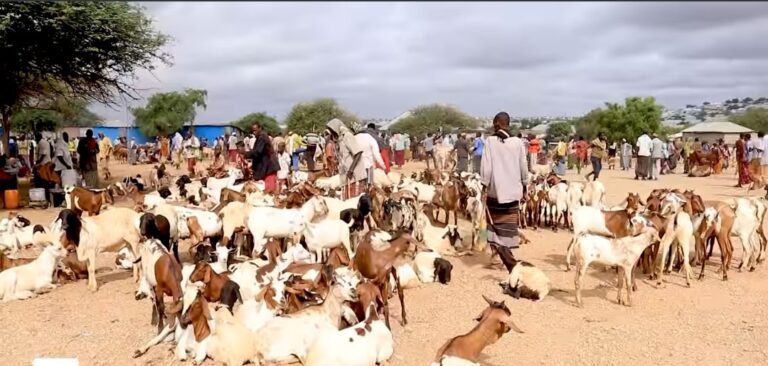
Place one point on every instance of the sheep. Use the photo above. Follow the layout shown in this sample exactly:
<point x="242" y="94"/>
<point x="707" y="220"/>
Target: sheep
<point x="28" y="280"/>
<point x="270" y="222"/>
<point x="493" y="323"/>
<point x="367" y="343"/>
<point x="285" y="338"/>
<point x="325" y="235"/>
<point x="623" y="252"/>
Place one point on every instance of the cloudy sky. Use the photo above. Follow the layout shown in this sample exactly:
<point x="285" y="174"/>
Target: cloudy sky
<point x="530" y="59"/>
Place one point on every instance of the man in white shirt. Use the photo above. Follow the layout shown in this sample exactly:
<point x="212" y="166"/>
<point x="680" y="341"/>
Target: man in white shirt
<point x="63" y="157"/>
<point x="43" y="151"/>
<point x="764" y="157"/>
<point x="232" y="146"/>
<point x="644" y="148"/>
<point x="371" y="155"/>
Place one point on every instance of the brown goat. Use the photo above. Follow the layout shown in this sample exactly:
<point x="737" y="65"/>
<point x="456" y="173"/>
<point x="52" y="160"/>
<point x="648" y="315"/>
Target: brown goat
<point x="214" y="282"/>
<point x="376" y="265"/>
<point x="493" y="323"/>
<point x="707" y="235"/>
<point x="168" y="277"/>
<point x="89" y="201"/>
<point x="447" y="199"/>
<point x="368" y="294"/>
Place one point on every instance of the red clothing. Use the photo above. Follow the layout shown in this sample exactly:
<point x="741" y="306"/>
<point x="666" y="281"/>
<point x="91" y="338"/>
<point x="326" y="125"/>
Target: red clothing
<point x="400" y="157"/>
<point x="270" y="183"/>
<point x="534" y="146"/>
<point x="581" y="149"/>
<point x="385" y="157"/>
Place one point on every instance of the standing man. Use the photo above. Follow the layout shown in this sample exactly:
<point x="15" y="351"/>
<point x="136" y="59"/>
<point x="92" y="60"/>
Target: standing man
<point x="560" y="156"/>
<point x="477" y="152"/>
<point x="105" y="151"/>
<point x="192" y="151"/>
<point x="462" y="153"/>
<point x="756" y="150"/>
<point x="176" y="148"/>
<point x="533" y="150"/>
<point x="165" y="149"/>
<point x="132" y="151"/>
<point x="63" y="157"/>
<point x="311" y="140"/>
<point x="88" y="151"/>
<point x="24" y="150"/>
<point x="644" y="147"/>
<point x="503" y="171"/>
<point x="581" y="153"/>
<point x="598" y="148"/>
<point x="232" y="146"/>
<point x="399" y="142"/>
<point x="371" y="154"/>
<point x="742" y="160"/>
<point x="429" y="146"/>
<point x="381" y="143"/>
<point x="264" y="161"/>
<point x="349" y="155"/>
<point x="657" y="154"/>
<point x="626" y="154"/>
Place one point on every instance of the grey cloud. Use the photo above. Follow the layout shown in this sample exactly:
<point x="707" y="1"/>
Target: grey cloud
<point x="379" y="59"/>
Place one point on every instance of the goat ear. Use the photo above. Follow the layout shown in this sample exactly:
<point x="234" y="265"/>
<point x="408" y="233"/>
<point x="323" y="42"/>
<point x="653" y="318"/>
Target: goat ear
<point x="207" y="276"/>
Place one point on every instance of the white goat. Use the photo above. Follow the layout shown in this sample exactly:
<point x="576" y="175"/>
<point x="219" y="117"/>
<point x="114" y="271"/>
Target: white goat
<point x="526" y="281"/>
<point x="594" y="194"/>
<point x="209" y="222"/>
<point x="28" y="280"/>
<point x="231" y="342"/>
<point x="586" y="219"/>
<point x="623" y="252"/>
<point x="557" y="200"/>
<point x="368" y="343"/>
<point x="435" y="238"/>
<point x="270" y="222"/>
<point x="214" y="186"/>
<point x="325" y="235"/>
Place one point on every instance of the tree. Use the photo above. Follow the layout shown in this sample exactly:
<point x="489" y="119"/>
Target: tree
<point x="747" y="100"/>
<point x="559" y="130"/>
<point x="618" y="121"/>
<point x="166" y="113"/>
<point x="754" y="118"/>
<point x="89" y="50"/>
<point x="313" y="116"/>
<point x="58" y="113"/>
<point x="268" y="123"/>
<point x="432" y="118"/>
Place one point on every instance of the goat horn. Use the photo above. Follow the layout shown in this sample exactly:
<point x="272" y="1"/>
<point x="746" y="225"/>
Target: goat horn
<point x="514" y="326"/>
<point x="489" y="301"/>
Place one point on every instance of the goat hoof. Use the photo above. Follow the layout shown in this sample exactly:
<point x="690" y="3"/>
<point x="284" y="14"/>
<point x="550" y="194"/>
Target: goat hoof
<point x="634" y="288"/>
<point x="752" y="269"/>
<point x="140" y="296"/>
<point x="137" y="353"/>
<point x="725" y="277"/>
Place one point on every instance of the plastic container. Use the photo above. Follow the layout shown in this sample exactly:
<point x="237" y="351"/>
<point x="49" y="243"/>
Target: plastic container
<point x="36" y="194"/>
<point x="11" y="199"/>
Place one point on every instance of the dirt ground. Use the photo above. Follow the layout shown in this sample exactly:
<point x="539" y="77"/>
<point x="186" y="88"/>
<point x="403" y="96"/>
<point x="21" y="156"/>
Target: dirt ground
<point x="711" y="323"/>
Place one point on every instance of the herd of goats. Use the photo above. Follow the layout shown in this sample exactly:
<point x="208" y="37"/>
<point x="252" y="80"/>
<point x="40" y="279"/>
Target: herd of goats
<point x="305" y="276"/>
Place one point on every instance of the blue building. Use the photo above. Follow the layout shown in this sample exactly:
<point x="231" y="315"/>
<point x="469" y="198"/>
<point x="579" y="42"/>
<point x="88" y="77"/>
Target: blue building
<point x="115" y="129"/>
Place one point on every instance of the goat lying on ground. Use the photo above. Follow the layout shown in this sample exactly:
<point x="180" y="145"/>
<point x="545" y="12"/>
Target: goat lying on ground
<point x="218" y="287"/>
<point x="493" y="323"/>
<point x="25" y="281"/>
<point x="524" y="280"/>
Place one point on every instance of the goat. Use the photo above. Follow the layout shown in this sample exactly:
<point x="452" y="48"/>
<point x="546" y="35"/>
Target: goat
<point x="270" y="222"/>
<point x="525" y="280"/>
<point x="157" y="227"/>
<point x="27" y="280"/>
<point x="442" y="240"/>
<point x="623" y="252"/>
<point x="325" y="235"/>
<point x="218" y="287"/>
<point x="376" y="265"/>
<point x="79" y="199"/>
<point x="493" y="323"/>
<point x="231" y="343"/>
<point x="163" y="276"/>
<point x="368" y="343"/>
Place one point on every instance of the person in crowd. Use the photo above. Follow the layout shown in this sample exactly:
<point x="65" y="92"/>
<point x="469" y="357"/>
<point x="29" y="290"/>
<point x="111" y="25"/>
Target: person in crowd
<point x="398" y="141"/>
<point x="232" y="146"/>
<point x="478" y="144"/>
<point x="165" y="149"/>
<point x="504" y="173"/>
<point x="218" y="167"/>
<point x="756" y="150"/>
<point x="598" y="150"/>
<point x="276" y="140"/>
<point x="670" y="162"/>
<point x="176" y="147"/>
<point x="764" y="153"/>
<point x="696" y="145"/>
<point x="534" y="146"/>
<point x="350" y="155"/>
<point x="742" y="160"/>
<point x="192" y="151"/>
<point x="657" y="154"/>
<point x="311" y="140"/>
<point x="43" y="153"/>
<point x="386" y="150"/>
<point x="429" y="146"/>
<point x="24" y="151"/>
<point x="63" y="159"/>
<point x="461" y="148"/>
<point x="725" y="153"/>
<point x="9" y="175"/>
<point x="687" y="151"/>
<point x="381" y="143"/>
<point x="561" y="152"/>
<point x="371" y="154"/>
<point x="132" y="150"/>
<point x="626" y="154"/>
<point x="644" y="147"/>
<point x="247" y="141"/>
<point x="264" y="160"/>
<point x="329" y="156"/>
<point x="88" y="151"/>
<point x="284" y="161"/>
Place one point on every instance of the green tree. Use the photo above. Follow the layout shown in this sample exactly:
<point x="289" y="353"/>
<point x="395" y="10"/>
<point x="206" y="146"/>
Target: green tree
<point x="313" y="116"/>
<point x="431" y="118"/>
<point x="754" y="118"/>
<point x="166" y="113"/>
<point x="50" y="117"/>
<point x="87" y="49"/>
<point x="559" y="130"/>
<point x="268" y="123"/>
<point x="618" y="121"/>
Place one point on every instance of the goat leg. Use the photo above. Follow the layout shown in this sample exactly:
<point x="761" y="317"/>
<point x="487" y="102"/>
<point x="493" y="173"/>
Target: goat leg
<point x="400" y="295"/>
<point x="386" y="292"/>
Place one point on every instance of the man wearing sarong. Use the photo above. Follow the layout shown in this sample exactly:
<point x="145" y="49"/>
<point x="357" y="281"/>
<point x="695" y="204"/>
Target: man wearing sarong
<point x="644" y="148"/>
<point x="351" y="169"/>
<point x="742" y="159"/>
<point x="503" y="170"/>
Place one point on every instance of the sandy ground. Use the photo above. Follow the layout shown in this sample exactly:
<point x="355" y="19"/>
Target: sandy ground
<point x="712" y="323"/>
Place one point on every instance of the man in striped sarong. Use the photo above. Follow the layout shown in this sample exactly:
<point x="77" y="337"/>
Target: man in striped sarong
<point x="503" y="169"/>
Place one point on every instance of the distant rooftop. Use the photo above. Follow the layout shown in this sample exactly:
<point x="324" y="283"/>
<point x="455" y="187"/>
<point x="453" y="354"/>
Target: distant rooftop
<point x="718" y="127"/>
